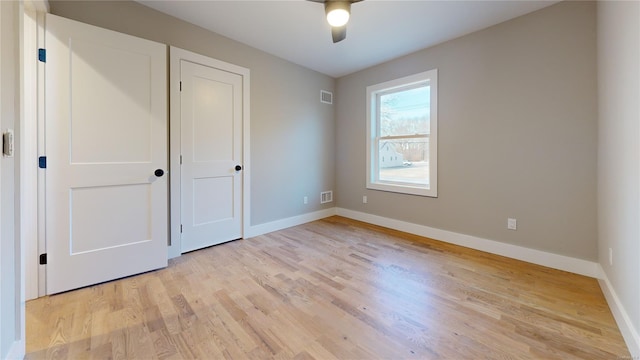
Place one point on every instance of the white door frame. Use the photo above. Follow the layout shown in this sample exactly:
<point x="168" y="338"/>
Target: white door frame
<point x="32" y="140"/>
<point x="29" y="152"/>
<point x="176" y="55"/>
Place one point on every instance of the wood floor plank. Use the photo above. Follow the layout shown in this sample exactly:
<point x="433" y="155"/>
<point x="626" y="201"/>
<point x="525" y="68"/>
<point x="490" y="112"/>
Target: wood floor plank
<point x="331" y="289"/>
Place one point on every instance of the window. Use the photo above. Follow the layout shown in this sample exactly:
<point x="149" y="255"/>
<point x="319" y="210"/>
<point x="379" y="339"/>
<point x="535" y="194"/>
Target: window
<point x="402" y="135"/>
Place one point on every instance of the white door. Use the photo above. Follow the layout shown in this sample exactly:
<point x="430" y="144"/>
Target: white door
<point x="106" y="148"/>
<point x="211" y="148"/>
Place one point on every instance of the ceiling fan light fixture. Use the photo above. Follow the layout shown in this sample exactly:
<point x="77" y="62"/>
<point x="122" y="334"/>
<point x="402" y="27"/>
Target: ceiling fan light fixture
<point x="337" y="12"/>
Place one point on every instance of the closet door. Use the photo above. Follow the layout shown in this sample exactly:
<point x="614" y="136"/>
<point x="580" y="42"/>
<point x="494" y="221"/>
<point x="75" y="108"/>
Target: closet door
<point x="211" y="148"/>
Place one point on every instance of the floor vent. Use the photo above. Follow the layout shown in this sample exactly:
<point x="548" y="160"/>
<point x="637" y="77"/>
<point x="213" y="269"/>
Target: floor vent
<point x="326" y="97"/>
<point x="326" y="197"/>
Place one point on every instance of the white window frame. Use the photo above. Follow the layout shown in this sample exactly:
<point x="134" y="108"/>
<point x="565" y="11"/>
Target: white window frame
<point x="373" y="128"/>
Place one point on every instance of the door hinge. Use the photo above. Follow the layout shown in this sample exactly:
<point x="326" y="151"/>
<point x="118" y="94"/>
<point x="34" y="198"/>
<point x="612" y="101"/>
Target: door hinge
<point x="42" y="55"/>
<point x="180" y="228"/>
<point x="180" y="159"/>
<point x="180" y="85"/>
<point x="42" y="162"/>
<point x="43" y="259"/>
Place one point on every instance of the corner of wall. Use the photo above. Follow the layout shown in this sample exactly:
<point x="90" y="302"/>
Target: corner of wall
<point x="629" y="332"/>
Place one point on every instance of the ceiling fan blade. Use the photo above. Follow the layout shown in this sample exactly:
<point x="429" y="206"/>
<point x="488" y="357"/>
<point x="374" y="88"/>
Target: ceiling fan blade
<point x="338" y="33"/>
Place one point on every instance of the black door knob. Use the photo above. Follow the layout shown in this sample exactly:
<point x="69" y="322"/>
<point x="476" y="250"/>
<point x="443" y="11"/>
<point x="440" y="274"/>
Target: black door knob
<point x="159" y="172"/>
<point x="238" y="167"/>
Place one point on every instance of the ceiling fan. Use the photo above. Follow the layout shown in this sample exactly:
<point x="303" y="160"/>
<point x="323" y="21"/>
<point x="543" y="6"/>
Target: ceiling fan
<point x="338" y="12"/>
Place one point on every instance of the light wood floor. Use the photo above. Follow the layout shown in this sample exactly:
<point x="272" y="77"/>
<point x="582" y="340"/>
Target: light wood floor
<point x="333" y="288"/>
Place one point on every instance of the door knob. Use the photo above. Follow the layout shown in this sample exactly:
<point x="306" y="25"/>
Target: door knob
<point x="158" y="172"/>
<point x="238" y="167"/>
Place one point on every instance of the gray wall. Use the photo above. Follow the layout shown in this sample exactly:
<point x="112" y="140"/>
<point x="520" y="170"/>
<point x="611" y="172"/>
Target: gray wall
<point x="10" y="278"/>
<point x="292" y="133"/>
<point x="517" y="133"/>
<point x="619" y="152"/>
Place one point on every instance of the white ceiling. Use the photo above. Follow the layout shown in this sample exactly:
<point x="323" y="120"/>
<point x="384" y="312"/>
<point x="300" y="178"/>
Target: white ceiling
<point x="379" y="30"/>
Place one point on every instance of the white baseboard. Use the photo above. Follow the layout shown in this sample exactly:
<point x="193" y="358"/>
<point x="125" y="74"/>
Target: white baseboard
<point x="256" y="230"/>
<point x="17" y="351"/>
<point x="555" y="261"/>
<point x="265" y="228"/>
<point x="629" y="332"/>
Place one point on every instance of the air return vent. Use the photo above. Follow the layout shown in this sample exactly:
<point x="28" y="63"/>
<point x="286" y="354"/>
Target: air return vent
<point x="326" y="97"/>
<point x="326" y="197"/>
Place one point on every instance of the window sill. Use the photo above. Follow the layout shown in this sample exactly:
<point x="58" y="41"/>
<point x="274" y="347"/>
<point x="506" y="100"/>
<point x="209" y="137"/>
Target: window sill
<point x="404" y="189"/>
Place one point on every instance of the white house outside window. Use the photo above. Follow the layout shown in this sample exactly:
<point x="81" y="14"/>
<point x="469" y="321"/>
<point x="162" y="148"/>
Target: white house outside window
<point x="402" y="135"/>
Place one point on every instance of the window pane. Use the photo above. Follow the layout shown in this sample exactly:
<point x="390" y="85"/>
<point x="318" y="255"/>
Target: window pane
<point x="402" y="135"/>
<point x="404" y="160"/>
<point x="405" y="112"/>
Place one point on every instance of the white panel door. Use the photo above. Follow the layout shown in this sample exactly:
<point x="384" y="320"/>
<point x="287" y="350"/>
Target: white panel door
<point x="211" y="142"/>
<point x="106" y="147"/>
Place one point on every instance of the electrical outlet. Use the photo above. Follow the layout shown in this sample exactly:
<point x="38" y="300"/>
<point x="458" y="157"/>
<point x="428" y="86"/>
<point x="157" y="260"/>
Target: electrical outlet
<point x="512" y="224"/>
<point x="610" y="257"/>
<point x="305" y="200"/>
<point x="364" y="199"/>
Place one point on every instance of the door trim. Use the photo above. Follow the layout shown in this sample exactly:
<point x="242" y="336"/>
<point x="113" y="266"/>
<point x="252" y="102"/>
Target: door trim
<point x="176" y="55"/>
<point x="29" y="151"/>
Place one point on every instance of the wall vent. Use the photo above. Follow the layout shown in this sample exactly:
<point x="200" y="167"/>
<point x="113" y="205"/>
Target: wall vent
<point x="326" y="197"/>
<point x="326" y="97"/>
